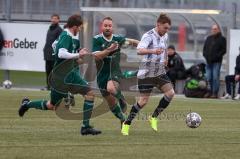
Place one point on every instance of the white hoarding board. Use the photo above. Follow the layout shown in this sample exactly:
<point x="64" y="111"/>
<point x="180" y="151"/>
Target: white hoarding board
<point x="233" y="49"/>
<point x="23" y="46"/>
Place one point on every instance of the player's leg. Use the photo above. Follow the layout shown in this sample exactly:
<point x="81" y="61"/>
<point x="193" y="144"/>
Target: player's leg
<point x="84" y="89"/>
<point x="115" y="107"/>
<point x="113" y="88"/>
<point x="126" y="75"/>
<point x="145" y="87"/>
<point x="69" y="100"/>
<point x="87" y="129"/>
<point x="164" y="84"/>
<point x="43" y="104"/>
<point x="111" y="100"/>
<point x="27" y="104"/>
<point x="143" y="99"/>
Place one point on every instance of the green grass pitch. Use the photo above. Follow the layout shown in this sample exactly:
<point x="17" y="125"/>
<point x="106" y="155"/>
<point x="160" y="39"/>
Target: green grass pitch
<point x="44" y="135"/>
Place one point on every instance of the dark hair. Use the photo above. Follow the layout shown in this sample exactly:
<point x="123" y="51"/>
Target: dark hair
<point x="163" y="18"/>
<point x="74" y="20"/>
<point x="171" y="47"/>
<point x="107" y="18"/>
<point x="65" y="26"/>
<point x="55" y="15"/>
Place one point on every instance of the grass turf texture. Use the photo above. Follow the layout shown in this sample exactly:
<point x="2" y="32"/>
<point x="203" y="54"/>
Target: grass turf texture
<point x="44" y="135"/>
<point x="26" y="78"/>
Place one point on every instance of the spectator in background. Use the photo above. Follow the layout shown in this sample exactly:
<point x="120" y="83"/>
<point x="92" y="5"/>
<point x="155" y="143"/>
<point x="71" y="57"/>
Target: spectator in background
<point x="176" y="69"/>
<point x="231" y="81"/>
<point x="1" y="40"/>
<point x="213" y="51"/>
<point x="53" y="32"/>
<point x="196" y="85"/>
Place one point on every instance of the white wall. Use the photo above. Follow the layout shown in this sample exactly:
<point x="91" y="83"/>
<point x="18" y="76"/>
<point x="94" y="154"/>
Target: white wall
<point x="234" y="45"/>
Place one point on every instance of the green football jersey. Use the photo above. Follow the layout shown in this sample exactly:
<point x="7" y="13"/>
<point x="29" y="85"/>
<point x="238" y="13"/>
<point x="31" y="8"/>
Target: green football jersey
<point x="110" y="65"/>
<point x="71" y="43"/>
<point x="68" y="41"/>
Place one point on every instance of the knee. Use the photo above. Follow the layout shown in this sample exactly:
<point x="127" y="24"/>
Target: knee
<point x="50" y="106"/>
<point x="111" y="90"/>
<point x="170" y="93"/>
<point x="142" y="102"/>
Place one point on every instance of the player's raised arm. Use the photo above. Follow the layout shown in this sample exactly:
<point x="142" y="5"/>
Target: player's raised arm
<point x="102" y="54"/>
<point x="143" y="51"/>
<point x="143" y="46"/>
<point x="131" y="42"/>
<point x="64" y="54"/>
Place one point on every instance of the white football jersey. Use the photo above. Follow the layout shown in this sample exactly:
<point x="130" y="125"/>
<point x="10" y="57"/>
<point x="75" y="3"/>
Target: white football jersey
<point x="152" y="65"/>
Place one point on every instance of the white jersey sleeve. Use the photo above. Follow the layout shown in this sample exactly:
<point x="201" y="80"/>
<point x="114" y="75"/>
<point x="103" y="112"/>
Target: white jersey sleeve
<point x="145" y="41"/>
<point x="64" y="54"/>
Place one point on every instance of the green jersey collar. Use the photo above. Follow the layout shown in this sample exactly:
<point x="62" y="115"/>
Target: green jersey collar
<point x="70" y="34"/>
<point x="107" y="39"/>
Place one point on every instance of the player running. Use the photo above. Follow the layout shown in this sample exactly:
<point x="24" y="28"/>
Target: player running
<point x="152" y="72"/>
<point x="106" y="47"/>
<point x="66" y="49"/>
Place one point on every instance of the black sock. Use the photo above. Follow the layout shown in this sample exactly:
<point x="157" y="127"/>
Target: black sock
<point x="164" y="102"/>
<point x="135" y="109"/>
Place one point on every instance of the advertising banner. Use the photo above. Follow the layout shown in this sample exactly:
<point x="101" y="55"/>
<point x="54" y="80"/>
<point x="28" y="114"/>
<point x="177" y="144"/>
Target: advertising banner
<point x="23" y="46"/>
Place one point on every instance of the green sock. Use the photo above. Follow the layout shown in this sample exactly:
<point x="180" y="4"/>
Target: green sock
<point x="117" y="111"/>
<point x="38" y="104"/>
<point x="87" y="112"/>
<point x="121" y="99"/>
<point x="119" y="95"/>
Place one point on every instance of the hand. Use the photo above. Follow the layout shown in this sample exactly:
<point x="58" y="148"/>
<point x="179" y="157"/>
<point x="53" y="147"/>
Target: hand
<point x="83" y="52"/>
<point x="237" y="77"/>
<point x="158" y="51"/>
<point x="112" y="47"/>
<point x="166" y="63"/>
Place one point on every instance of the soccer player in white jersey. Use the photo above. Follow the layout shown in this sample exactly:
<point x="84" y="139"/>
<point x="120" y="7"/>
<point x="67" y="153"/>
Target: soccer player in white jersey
<point x="152" y="72"/>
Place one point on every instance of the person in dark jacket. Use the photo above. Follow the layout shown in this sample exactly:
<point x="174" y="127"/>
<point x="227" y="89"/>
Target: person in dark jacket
<point x="213" y="51"/>
<point x="176" y="69"/>
<point x="231" y="81"/>
<point x="53" y="33"/>
<point x="1" y="40"/>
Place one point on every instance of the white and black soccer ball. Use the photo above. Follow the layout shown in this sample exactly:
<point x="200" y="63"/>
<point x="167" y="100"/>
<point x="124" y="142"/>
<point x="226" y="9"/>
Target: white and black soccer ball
<point x="193" y="120"/>
<point x="7" y="84"/>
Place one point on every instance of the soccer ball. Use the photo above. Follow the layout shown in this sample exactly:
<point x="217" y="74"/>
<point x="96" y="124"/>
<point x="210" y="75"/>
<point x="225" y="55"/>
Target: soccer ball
<point x="193" y="120"/>
<point x="7" y="84"/>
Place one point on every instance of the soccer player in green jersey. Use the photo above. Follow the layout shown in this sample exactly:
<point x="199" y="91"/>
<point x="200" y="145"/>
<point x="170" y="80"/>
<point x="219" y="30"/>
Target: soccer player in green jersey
<point x="67" y="48"/>
<point x="106" y="47"/>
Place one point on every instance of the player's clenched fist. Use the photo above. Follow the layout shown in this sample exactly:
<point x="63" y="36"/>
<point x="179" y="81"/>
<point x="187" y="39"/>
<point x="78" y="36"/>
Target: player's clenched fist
<point x="83" y="52"/>
<point x="112" y="47"/>
<point x="159" y="51"/>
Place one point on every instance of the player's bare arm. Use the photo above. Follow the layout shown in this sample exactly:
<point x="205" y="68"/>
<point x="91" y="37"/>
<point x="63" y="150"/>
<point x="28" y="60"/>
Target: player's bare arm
<point x="131" y="42"/>
<point x="144" y="51"/>
<point x="102" y="54"/>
